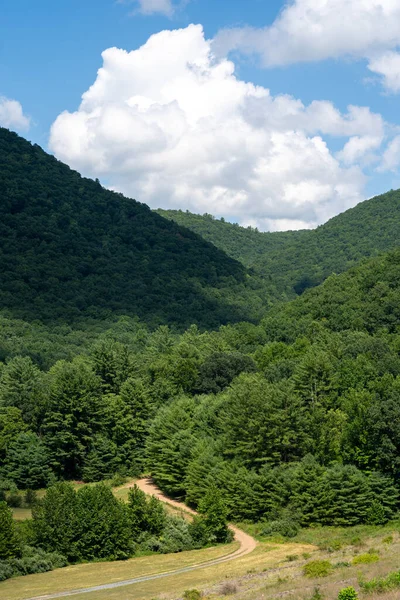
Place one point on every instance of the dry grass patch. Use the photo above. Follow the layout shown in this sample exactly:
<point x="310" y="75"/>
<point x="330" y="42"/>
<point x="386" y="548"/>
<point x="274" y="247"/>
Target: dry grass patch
<point x="91" y="574"/>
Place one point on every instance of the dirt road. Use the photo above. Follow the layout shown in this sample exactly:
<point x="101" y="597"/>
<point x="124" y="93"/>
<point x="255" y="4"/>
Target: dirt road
<point x="247" y="545"/>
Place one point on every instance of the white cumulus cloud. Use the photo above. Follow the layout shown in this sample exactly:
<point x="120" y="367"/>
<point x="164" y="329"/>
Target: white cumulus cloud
<point x="172" y="126"/>
<point x="387" y="65"/>
<point x="12" y="116"/>
<point x="314" y="30"/>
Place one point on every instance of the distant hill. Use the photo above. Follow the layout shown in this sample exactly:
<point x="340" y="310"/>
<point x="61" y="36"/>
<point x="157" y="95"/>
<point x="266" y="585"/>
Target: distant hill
<point x="72" y="250"/>
<point x="245" y="244"/>
<point x="365" y="298"/>
<point x="295" y="261"/>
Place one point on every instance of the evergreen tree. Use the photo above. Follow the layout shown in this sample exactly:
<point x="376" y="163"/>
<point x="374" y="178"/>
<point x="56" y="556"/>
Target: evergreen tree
<point x="9" y="543"/>
<point x="101" y="461"/>
<point x="74" y="413"/>
<point x="27" y="462"/>
<point x="104" y="525"/>
<point x="214" y="511"/>
<point x="56" y="523"/>
<point x="21" y="387"/>
<point x="137" y="504"/>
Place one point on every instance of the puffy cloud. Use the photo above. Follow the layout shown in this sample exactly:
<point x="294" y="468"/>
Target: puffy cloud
<point x="314" y="30"/>
<point x="12" y="115"/>
<point x="391" y="156"/>
<point x="308" y="30"/>
<point x="388" y="67"/>
<point x="173" y="126"/>
<point x="360" y="149"/>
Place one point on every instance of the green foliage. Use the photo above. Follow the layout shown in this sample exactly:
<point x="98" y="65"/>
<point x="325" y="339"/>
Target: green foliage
<point x="9" y="542"/>
<point x="72" y="249"/>
<point x="192" y="595"/>
<point x="214" y="512"/>
<point x="365" y="559"/>
<point x="32" y="560"/>
<point x="293" y="261"/>
<point x="348" y="593"/>
<point x="27" y="462"/>
<point x="286" y="527"/>
<point x="317" y="568"/>
<point x="380" y="585"/>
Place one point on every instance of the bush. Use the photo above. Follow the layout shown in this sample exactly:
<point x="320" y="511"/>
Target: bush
<point x="388" y="539"/>
<point x="348" y="593"/>
<point x="292" y="557"/>
<point x="14" y="500"/>
<point x="192" y="595"/>
<point x="6" y="570"/>
<point x="118" y="480"/>
<point x="228" y="588"/>
<point x="175" y="537"/>
<point x="33" y="560"/>
<point x="318" y="568"/>
<point x="365" y="559"/>
<point x="381" y="584"/>
<point x="316" y="595"/>
<point x="286" y="527"/>
<point x="30" y="498"/>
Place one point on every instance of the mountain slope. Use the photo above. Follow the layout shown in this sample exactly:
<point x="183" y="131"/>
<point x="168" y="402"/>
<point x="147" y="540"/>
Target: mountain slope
<point x="70" y="249"/>
<point x="297" y="260"/>
<point x="244" y="244"/>
<point x="365" y="298"/>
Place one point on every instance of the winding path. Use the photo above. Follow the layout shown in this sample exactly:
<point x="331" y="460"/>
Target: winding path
<point x="247" y="545"/>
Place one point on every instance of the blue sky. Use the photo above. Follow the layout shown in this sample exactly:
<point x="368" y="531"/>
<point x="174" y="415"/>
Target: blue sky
<point x="50" y="53"/>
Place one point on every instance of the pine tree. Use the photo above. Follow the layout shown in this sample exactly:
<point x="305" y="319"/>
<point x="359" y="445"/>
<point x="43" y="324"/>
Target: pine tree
<point x="9" y="543"/>
<point x="214" y="511"/>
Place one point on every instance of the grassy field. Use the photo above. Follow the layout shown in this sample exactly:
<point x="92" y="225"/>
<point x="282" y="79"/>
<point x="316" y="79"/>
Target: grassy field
<point x="84" y="575"/>
<point x="275" y="572"/>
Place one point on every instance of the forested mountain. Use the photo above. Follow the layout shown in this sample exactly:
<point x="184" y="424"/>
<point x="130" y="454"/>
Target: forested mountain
<point x="296" y="420"/>
<point x="245" y="244"/>
<point x="70" y="249"/>
<point x="295" y="261"/>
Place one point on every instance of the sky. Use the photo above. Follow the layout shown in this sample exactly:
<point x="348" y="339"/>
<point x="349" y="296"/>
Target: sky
<point x="279" y="115"/>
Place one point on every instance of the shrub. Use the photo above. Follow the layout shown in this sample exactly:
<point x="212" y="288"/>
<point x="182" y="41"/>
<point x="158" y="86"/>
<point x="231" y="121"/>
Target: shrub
<point x="6" y="570"/>
<point x="292" y="557"/>
<point x="192" y="595"/>
<point x="286" y="527"/>
<point x="365" y="559"/>
<point x="118" y="480"/>
<point x="30" y="498"/>
<point x="14" y="500"/>
<point x="33" y="560"/>
<point x="381" y="584"/>
<point x="348" y="593"/>
<point x="228" y="588"/>
<point x="388" y="539"/>
<point x="176" y="536"/>
<point x="317" y="568"/>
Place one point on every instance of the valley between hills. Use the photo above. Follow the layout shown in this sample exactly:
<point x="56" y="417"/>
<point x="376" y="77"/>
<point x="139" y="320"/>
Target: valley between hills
<point x="255" y="377"/>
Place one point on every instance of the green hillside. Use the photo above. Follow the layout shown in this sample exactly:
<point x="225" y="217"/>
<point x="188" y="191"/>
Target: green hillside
<point x="71" y="249"/>
<point x="245" y="244"/>
<point x="295" y="261"/>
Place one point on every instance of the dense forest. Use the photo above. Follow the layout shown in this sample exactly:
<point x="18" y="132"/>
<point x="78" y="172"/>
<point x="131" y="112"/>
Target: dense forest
<point x="297" y="407"/>
<point x="71" y="250"/>
<point x="293" y="261"/>
<point x="129" y="345"/>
